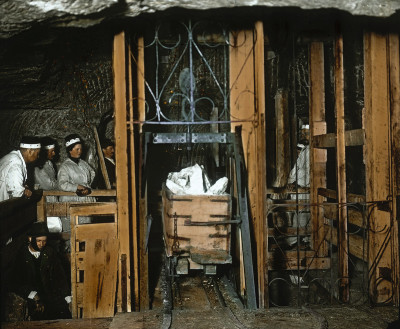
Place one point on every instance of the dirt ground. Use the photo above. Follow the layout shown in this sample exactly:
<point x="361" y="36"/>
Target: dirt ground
<point x="275" y="318"/>
<point x="195" y="309"/>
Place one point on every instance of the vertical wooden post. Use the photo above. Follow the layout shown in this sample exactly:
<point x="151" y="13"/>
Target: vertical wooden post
<point x="135" y="258"/>
<point x="377" y="163"/>
<point x="41" y="210"/>
<point x="143" y="284"/>
<point x="261" y="178"/>
<point x="317" y="156"/>
<point x="247" y="102"/>
<point x="394" y="81"/>
<point x="282" y="145"/>
<point x="141" y="82"/>
<point x="343" y="243"/>
<point x="121" y="160"/>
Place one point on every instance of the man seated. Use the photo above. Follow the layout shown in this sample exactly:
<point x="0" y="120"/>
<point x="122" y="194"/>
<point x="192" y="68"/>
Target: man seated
<point x="39" y="277"/>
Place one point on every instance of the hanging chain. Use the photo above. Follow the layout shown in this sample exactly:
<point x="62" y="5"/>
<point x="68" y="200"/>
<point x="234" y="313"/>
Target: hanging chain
<point x="175" y="244"/>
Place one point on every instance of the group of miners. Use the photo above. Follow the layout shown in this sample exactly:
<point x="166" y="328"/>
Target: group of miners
<point x="38" y="275"/>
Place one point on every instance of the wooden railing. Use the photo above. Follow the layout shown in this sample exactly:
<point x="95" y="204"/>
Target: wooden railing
<point x="45" y="208"/>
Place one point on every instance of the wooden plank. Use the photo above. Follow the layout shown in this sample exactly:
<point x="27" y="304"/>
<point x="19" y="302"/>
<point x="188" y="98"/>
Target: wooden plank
<point x="141" y="82"/>
<point x="288" y="231"/>
<point x="141" y="267"/>
<point x="344" y="288"/>
<point x="247" y="102"/>
<point x="317" y="157"/>
<point x="357" y="245"/>
<point x="98" y="208"/>
<point x="394" y="81"/>
<point x="351" y="197"/>
<point x="144" y="301"/>
<point x="94" y="193"/>
<point x="354" y="216"/>
<point x="293" y="260"/>
<point x="135" y="258"/>
<point x="354" y="137"/>
<point x="282" y="133"/>
<point x="121" y="158"/>
<point x="100" y="273"/>
<point x="41" y="210"/>
<point x="241" y="75"/>
<point x="377" y="161"/>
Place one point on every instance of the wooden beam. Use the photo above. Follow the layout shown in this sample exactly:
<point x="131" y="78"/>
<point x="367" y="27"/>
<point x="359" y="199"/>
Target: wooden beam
<point x="121" y="160"/>
<point x="241" y="74"/>
<point x="282" y="133"/>
<point x="354" y="137"/>
<point x="94" y="193"/>
<point x="377" y="161"/>
<point x="357" y="245"/>
<point x="317" y="157"/>
<point x="144" y="301"/>
<point x="344" y="289"/>
<point x="247" y="102"/>
<point x="394" y="81"/>
<point x="133" y="202"/>
<point x="351" y="197"/>
<point x="293" y="260"/>
<point x="140" y="263"/>
<point x="261" y="179"/>
<point x="354" y="216"/>
<point x="288" y="231"/>
<point x="41" y="210"/>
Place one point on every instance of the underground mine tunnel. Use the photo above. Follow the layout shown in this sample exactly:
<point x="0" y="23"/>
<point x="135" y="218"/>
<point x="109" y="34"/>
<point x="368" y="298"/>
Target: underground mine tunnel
<point x="255" y="165"/>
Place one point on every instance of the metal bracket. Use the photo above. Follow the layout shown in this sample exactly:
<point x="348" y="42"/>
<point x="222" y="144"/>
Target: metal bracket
<point x="187" y="138"/>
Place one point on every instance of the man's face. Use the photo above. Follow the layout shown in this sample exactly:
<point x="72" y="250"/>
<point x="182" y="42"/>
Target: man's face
<point x="109" y="151"/>
<point x="40" y="242"/>
<point x="33" y="155"/>
<point x="50" y="154"/>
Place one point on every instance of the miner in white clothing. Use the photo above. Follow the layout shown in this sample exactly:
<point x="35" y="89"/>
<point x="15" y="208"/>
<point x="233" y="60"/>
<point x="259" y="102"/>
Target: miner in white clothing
<point x="45" y="172"/>
<point x="75" y="175"/>
<point x="13" y="173"/>
<point x="46" y="177"/>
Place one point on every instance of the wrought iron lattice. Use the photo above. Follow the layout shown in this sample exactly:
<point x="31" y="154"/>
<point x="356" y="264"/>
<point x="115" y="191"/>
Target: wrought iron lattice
<point x="187" y="74"/>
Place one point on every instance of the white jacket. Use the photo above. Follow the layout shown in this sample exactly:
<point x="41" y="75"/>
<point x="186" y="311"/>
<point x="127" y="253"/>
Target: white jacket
<point x="12" y="175"/>
<point x="303" y="173"/>
<point x="70" y="175"/>
<point x="46" y="178"/>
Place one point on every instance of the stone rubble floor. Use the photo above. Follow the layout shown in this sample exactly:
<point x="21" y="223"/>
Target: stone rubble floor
<point x="276" y="318"/>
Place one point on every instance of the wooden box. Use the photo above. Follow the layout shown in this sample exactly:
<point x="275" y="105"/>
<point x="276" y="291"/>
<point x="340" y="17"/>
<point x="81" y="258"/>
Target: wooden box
<point x="198" y="225"/>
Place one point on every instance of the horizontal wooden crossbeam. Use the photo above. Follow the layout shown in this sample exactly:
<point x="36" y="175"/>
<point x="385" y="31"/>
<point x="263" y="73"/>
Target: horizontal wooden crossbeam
<point x="354" y="137"/>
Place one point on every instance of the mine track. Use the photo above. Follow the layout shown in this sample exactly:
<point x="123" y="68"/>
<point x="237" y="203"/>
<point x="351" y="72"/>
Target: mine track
<point x="209" y="284"/>
<point x="217" y="302"/>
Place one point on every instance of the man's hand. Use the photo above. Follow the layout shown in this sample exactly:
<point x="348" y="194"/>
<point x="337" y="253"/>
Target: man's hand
<point x="83" y="190"/>
<point x="39" y="305"/>
<point x="27" y="192"/>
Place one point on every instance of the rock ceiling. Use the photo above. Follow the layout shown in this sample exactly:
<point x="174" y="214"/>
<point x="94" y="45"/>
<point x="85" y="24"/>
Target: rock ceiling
<point x="20" y="15"/>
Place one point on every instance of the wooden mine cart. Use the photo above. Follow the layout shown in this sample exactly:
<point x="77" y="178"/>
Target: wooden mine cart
<point x="197" y="230"/>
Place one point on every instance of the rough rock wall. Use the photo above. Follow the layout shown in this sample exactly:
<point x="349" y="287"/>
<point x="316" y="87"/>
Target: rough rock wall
<point x="55" y="89"/>
<point x="20" y="15"/>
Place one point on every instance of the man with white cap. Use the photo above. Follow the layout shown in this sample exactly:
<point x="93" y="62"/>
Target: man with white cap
<point x="13" y="172"/>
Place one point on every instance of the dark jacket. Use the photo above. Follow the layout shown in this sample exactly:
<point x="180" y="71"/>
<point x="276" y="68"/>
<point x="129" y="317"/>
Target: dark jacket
<point x="44" y="275"/>
<point x="110" y="167"/>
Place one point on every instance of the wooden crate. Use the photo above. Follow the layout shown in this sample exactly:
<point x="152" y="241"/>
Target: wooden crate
<point x="190" y="224"/>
